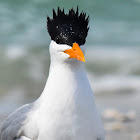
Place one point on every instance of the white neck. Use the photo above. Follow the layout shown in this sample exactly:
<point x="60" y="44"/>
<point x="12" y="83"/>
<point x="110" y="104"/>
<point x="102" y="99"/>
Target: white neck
<point x="64" y="74"/>
<point x="67" y="101"/>
<point x="67" y="80"/>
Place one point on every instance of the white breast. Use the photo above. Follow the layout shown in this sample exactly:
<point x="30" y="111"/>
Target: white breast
<point x="67" y="109"/>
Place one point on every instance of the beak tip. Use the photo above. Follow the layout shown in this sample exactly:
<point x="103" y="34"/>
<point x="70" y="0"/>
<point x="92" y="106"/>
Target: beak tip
<point x="83" y="59"/>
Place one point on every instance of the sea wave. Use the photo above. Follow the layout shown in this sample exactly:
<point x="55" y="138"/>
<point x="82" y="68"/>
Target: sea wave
<point x="114" y="70"/>
<point x="113" y="60"/>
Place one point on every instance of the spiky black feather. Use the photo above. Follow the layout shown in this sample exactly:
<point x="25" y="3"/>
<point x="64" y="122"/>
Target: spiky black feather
<point x="68" y="28"/>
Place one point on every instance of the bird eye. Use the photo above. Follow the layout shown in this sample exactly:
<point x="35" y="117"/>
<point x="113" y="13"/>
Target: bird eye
<point x="57" y="40"/>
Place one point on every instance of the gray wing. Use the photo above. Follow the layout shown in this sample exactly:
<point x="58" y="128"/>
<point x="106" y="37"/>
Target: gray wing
<point x="18" y="124"/>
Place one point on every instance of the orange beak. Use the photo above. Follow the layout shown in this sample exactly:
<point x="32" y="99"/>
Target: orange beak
<point x="75" y="52"/>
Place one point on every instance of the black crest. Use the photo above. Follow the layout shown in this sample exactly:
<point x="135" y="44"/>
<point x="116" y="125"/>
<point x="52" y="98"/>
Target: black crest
<point x="68" y="28"/>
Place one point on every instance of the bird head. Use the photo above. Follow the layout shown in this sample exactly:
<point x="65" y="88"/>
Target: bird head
<point x="68" y="34"/>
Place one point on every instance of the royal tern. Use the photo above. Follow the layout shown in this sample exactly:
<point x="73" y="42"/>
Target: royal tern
<point x="66" y="109"/>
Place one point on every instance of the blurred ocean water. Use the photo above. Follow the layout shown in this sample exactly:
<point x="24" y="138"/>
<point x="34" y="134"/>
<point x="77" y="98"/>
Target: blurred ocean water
<point x="111" y="22"/>
<point x="113" y="45"/>
<point x="111" y="71"/>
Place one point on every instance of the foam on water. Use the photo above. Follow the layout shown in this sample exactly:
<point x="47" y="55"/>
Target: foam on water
<point x="118" y="60"/>
<point x="15" y="52"/>
<point x="115" y="84"/>
<point x="114" y="70"/>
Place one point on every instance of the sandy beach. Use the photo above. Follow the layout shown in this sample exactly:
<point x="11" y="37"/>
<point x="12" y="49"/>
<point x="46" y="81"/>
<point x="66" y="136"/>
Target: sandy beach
<point x="120" y="114"/>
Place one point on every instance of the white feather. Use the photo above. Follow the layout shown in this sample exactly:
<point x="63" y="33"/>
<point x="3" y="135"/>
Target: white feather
<point x="64" y="111"/>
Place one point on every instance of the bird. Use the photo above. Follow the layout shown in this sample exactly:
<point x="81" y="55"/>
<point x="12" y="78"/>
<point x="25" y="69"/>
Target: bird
<point x="66" y="109"/>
